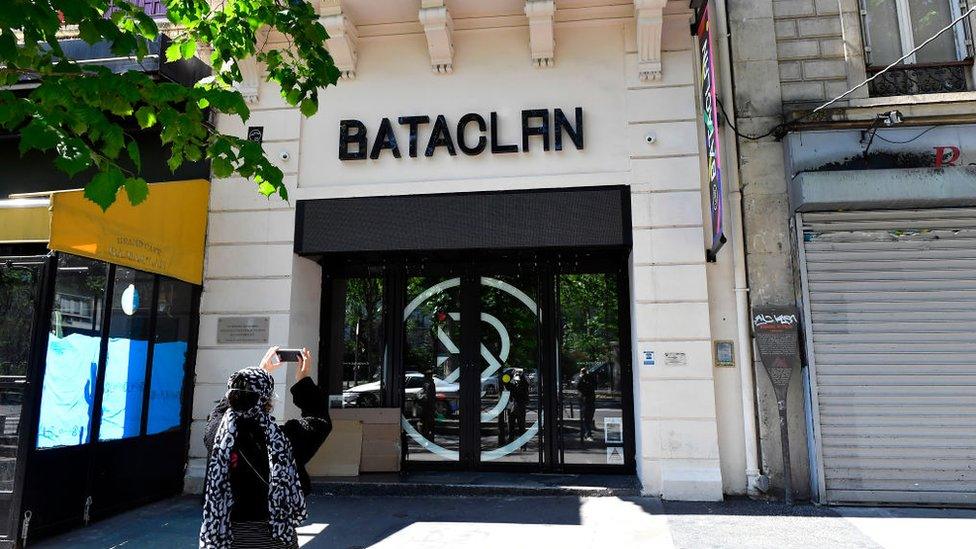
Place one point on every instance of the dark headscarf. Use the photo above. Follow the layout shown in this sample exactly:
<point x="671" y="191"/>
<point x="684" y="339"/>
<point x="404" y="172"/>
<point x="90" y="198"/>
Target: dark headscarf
<point x="286" y="502"/>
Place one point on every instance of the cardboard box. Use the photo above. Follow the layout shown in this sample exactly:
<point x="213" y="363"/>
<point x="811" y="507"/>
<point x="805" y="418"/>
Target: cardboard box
<point x="380" y="451"/>
<point x="342" y="451"/>
<point x="381" y="448"/>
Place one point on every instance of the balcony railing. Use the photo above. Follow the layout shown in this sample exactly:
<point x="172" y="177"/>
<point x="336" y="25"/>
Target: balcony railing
<point x="944" y="77"/>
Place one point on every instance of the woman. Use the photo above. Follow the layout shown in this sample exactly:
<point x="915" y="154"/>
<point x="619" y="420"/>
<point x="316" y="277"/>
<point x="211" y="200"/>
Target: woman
<point x="254" y="495"/>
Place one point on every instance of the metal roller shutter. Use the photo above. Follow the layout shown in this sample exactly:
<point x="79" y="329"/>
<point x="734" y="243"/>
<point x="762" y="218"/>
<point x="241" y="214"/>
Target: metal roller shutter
<point x="891" y="297"/>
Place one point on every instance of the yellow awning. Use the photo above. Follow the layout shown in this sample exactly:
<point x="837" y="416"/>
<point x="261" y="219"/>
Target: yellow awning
<point x="24" y="220"/>
<point x="164" y="235"/>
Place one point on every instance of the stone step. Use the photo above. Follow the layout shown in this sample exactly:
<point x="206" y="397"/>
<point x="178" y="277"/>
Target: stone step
<point x="477" y="484"/>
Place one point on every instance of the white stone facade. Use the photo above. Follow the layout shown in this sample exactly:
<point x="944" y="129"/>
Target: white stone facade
<point x="690" y="442"/>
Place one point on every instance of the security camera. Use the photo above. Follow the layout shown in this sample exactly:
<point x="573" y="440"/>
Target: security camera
<point x="285" y="156"/>
<point x="650" y="138"/>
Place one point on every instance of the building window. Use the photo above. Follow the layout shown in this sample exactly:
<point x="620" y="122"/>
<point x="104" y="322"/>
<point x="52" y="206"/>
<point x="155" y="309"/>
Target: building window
<point x="128" y="351"/>
<point x="154" y="8"/>
<point x="149" y="333"/>
<point x="893" y="28"/>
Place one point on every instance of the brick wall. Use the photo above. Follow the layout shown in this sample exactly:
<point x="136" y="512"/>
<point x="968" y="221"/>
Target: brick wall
<point x="810" y="49"/>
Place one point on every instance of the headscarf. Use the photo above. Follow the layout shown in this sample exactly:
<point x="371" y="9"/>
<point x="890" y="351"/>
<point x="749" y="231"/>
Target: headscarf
<point x="286" y="502"/>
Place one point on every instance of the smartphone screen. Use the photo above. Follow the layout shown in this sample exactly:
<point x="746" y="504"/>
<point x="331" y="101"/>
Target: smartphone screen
<point x="289" y="355"/>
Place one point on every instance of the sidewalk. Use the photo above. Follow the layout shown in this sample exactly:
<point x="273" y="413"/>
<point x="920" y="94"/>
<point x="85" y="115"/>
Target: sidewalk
<point x="347" y="522"/>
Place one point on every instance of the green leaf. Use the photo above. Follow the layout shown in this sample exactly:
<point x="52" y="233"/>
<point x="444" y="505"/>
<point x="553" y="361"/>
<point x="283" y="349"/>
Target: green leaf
<point x="88" y="32"/>
<point x="265" y="188"/>
<point x="309" y="107"/>
<point x="133" y="149"/>
<point x="221" y="167"/>
<point x="8" y="45"/>
<point x="104" y="187"/>
<point x="37" y="135"/>
<point x="73" y="156"/>
<point x="173" y="52"/>
<point x="188" y="48"/>
<point x="145" y="117"/>
<point x="137" y="189"/>
<point x="293" y="96"/>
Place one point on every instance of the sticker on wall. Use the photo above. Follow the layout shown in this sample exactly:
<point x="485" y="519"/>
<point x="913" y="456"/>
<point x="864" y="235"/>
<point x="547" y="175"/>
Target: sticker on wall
<point x="647" y="357"/>
<point x="613" y="430"/>
<point x="724" y="354"/>
<point x="675" y="359"/>
<point x="615" y="455"/>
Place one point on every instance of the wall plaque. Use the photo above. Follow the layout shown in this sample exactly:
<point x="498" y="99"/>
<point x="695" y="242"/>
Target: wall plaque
<point x="243" y="329"/>
<point x="725" y="354"/>
<point x="779" y="348"/>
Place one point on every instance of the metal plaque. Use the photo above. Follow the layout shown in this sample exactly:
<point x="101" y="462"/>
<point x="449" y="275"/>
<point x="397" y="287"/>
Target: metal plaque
<point x="243" y="329"/>
<point x="778" y="343"/>
<point x="779" y="349"/>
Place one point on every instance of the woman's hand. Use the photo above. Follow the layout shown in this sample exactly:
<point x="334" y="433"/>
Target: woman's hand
<point x="304" y="365"/>
<point x="270" y="362"/>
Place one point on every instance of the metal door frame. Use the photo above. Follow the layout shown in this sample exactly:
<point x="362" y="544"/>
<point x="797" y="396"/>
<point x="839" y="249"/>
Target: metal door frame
<point x="817" y="473"/>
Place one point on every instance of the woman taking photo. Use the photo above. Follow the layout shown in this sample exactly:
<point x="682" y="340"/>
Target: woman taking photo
<point x="254" y="494"/>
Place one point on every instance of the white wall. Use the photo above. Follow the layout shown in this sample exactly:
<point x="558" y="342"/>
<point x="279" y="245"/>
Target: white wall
<point x="250" y="269"/>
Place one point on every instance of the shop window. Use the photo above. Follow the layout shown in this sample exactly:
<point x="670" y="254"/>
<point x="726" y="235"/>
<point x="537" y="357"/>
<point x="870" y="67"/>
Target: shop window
<point x="173" y="318"/>
<point x="68" y="387"/>
<point x="893" y="28"/>
<point x="356" y="365"/>
<point x="128" y="346"/>
<point x="590" y="374"/>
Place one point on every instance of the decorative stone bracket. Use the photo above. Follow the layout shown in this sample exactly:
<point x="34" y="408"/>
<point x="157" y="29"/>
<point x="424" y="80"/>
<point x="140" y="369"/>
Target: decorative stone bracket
<point x="250" y="83"/>
<point x="343" y="37"/>
<point x="541" y="41"/>
<point x="650" y="21"/>
<point x="438" y="27"/>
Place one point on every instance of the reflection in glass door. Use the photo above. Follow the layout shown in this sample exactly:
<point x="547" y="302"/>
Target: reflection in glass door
<point x="20" y="280"/>
<point x="504" y="421"/>
<point x="590" y="372"/>
<point x="432" y="369"/>
<point x="510" y="419"/>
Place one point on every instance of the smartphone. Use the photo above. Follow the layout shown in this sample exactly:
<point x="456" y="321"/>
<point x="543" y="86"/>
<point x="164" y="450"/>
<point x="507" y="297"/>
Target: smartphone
<point x="289" y="355"/>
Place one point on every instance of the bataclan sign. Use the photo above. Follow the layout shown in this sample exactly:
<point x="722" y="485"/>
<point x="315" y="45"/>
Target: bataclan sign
<point x="354" y="143"/>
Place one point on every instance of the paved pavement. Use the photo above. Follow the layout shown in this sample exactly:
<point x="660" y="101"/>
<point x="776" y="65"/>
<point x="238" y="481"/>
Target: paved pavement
<point x="567" y="522"/>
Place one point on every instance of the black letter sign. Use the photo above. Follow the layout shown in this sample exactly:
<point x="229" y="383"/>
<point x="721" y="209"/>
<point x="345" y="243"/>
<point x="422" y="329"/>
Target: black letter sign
<point x="542" y="129"/>
<point x="562" y="123"/>
<point x="496" y="147"/>
<point x="440" y="136"/>
<point x="358" y="136"/>
<point x="414" y="122"/>
<point x="385" y="139"/>
<point x="482" y="127"/>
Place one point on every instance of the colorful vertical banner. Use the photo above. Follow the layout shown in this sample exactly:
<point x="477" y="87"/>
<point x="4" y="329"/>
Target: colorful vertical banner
<point x="710" y="118"/>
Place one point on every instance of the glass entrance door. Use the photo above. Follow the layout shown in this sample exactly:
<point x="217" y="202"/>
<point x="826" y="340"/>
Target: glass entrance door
<point x="510" y="418"/>
<point x="471" y="370"/>
<point x="20" y="285"/>
<point x="491" y="366"/>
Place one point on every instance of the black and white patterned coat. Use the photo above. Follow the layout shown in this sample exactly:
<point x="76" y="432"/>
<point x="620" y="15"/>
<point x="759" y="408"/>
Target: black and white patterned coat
<point x="256" y="468"/>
